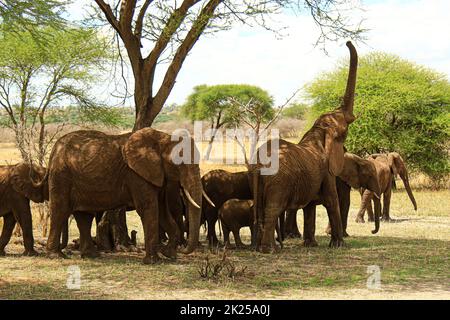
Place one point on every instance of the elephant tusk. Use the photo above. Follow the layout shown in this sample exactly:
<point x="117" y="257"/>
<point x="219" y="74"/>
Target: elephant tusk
<point x="188" y="196"/>
<point x="208" y="199"/>
<point x="376" y="196"/>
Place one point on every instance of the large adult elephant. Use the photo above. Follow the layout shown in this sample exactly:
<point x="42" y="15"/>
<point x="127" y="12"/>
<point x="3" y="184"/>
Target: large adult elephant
<point x="16" y="191"/>
<point x="357" y="173"/>
<point x="220" y="186"/>
<point x="90" y="171"/>
<point x="387" y="167"/>
<point x="306" y="172"/>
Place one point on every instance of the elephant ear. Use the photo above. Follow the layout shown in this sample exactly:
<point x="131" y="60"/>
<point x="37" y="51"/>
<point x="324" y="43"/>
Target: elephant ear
<point x="143" y="155"/>
<point x="21" y="182"/>
<point x="396" y="163"/>
<point x="334" y="150"/>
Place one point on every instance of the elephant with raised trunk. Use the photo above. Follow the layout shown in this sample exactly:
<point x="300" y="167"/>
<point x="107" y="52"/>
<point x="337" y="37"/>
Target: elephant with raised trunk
<point x="306" y="172"/>
<point x="387" y="167"/>
<point x="16" y="191"/>
<point x="90" y="171"/>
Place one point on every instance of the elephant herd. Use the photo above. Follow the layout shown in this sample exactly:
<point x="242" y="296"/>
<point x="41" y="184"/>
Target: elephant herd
<point x="90" y="172"/>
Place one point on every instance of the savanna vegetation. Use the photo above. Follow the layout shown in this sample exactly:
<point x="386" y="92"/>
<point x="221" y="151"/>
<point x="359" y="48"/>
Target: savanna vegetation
<point x="48" y="66"/>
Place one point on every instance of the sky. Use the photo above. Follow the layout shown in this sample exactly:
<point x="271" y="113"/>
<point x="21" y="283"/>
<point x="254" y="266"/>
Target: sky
<point x="417" y="30"/>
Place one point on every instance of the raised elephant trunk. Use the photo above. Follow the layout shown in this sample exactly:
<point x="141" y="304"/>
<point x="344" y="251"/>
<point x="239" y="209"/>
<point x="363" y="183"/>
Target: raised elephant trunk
<point x="349" y="96"/>
<point x="192" y="186"/>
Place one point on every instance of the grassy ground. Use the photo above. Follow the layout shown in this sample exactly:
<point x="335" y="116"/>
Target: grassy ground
<point x="413" y="255"/>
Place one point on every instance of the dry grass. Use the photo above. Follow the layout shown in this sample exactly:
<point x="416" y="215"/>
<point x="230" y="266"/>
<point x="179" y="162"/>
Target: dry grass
<point x="413" y="255"/>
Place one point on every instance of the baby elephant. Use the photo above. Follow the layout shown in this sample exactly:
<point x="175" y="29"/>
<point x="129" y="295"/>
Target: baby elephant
<point x="235" y="214"/>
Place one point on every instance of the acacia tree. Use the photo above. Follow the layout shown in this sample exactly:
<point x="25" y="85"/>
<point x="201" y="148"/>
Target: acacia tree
<point x="219" y="106"/>
<point x="35" y="78"/>
<point x="155" y="31"/>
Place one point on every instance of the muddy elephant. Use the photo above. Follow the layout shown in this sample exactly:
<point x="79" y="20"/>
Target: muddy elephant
<point x="235" y="214"/>
<point x="306" y="172"/>
<point x="90" y="171"/>
<point x="220" y="186"/>
<point x="357" y="173"/>
<point x="16" y="191"/>
<point x="387" y="167"/>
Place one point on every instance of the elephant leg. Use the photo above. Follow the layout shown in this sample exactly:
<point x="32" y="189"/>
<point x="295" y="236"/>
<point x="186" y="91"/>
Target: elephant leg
<point x="22" y="214"/>
<point x="168" y="224"/>
<point x="344" y="206"/>
<point x="237" y="238"/>
<point x="148" y="209"/>
<point x="291" y="227"/>
<point x="281" y="226"/>
<point x="59" y="214"/>
<point x="226" y="235"/>
<point x="9" y="222"/>
<point x="343" y="191"/>
<point x="386" y="204"/>
<point x="180" y="226"/>
<point x="268" y="235"/>
<point x="331" y="203"/>
<point x="65" y="235"/>
<point x="366" y="198"/>
<point x="211" y="219"/>
<point x="84" y="223"/>
<point x="309" y="226"/>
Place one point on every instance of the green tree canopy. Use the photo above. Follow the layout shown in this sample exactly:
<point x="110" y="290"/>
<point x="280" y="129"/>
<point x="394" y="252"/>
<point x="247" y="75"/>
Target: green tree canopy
<point x="213" y="103"/>
<point x="400" y="106"/>
<point x="20" y="15"/>
<point x="295" y="111"/>
<point x="228" y="105"/>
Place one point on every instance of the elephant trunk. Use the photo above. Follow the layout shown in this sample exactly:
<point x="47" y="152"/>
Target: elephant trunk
<point x="377" y="220"/>
<point x="405" y="180"/>
<point x="349" y="96"/>
<point x="192" y="187"/>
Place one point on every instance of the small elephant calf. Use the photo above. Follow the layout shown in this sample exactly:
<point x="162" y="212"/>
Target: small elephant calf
<point x="235" y="214"/>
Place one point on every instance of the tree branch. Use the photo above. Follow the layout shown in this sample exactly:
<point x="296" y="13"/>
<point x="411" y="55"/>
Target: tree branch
<point x="171" y="27"/>
<point x="109" y="15"/>
<point x="194" y="33"/>
<point x="126" y="15"/>
<point x="140" y="19"/>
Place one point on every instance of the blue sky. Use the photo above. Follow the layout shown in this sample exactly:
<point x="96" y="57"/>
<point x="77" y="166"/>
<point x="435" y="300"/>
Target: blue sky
<point x="418" y="30"/>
